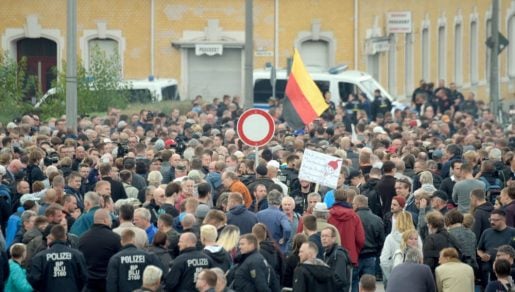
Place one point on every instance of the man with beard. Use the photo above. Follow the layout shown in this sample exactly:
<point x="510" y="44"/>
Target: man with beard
<point x="491" y="239"/>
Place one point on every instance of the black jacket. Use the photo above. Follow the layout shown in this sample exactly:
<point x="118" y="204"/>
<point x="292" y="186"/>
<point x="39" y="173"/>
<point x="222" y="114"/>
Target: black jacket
<point x="125" y="269"/>
<point x="482" y="218"/>
<point x="182" y="274"/>
<point x="251" y="274"/>
<point x="339" y="261"/>
<point x="4" y="269"/>
<point x="374" y="202"/>
<point x="273" y="256"/>
<point x="446" y="186"/>
<point x="117" y="190"/>
<point x="313" y="277"/>
<point x="291" y="263"/>
<point x="433" y="244"/>
<point x="374" y="233"/>
<point x="97" y="255"/>
<point x="243" y="218"/>
<point x="219" y="257"/>
<point x="386" y="190"/>
<point x="59" y="268"/>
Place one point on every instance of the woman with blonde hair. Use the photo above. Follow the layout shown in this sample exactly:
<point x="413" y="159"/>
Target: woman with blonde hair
<point x="229" y="238"/>
<point x="403" y="223"/>
<point x="410" y="238"/>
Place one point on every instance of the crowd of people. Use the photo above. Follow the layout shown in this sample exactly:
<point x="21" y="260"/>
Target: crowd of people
<point x="425" y="200"/>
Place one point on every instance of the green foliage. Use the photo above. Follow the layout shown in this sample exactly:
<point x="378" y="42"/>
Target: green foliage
<point x="98" y="87"/>
<point x="15" y="85"/>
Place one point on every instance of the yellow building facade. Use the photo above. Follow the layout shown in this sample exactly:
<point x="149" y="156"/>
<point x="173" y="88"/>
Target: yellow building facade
<point x="201" y="42"/>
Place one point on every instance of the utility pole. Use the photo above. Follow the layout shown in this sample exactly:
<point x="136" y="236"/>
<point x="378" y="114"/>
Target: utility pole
<point x="494" y="60"/>
<point x="248" y="100"/>
<point x="71" y="66"/>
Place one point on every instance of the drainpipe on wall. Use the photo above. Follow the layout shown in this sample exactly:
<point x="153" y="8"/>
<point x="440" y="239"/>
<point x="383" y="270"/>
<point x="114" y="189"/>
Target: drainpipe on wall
<point x="152" y="38"/>
<point x="276" y="34"/>
<point x="356" y="23"/>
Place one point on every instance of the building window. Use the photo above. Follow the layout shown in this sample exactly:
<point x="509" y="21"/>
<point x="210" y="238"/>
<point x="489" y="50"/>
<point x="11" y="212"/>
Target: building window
<point x="373" y="65"/>
<point x="392" y="86"/>
<point x="487" y="49"/>
<point x="473" y="53"/>
<point x="425" y="54"/>
<point x="107" y="47"/>
<point x="408" y="63"/>
<point x="458" y="53"/>
<point x="441" y="53"/>
<point x="511" y="47"/>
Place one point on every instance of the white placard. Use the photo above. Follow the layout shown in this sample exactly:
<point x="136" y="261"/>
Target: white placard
<point x="398" y="22"/>
<point x="320" y="168"/>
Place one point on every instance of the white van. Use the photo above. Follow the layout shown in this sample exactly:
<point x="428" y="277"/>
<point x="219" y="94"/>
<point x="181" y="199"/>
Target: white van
<point x="143" y="90"/>
<point x="338" y="81"/>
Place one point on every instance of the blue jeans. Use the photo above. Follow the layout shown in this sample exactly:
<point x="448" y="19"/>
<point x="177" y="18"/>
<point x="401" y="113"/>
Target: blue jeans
<point x="365" y="266"/>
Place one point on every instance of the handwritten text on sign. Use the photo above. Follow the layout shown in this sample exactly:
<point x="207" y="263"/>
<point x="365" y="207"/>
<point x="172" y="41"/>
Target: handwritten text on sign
<point x="320" y="168"/>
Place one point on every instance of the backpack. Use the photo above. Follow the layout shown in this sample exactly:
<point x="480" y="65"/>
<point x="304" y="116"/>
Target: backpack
<point x="466" y="259"/>
<point x="272" y="278"/>
<point x="5" y="195"/>
<point x="492" y="188"/>
<point x="348" y="266"/>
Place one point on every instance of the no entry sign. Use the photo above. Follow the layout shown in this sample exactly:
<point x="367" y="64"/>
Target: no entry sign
<point x="256" y="127"/>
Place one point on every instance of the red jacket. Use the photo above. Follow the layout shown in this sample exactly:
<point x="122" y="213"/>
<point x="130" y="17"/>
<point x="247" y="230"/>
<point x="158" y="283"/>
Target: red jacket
<point x="351" y="230"/>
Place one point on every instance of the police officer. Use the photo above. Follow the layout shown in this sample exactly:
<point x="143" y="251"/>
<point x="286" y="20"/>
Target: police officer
<point x="251" y="272"/>
<point x="125" y="269"/>
<point x="59" y="268"/>
<point x="187" y="266"/>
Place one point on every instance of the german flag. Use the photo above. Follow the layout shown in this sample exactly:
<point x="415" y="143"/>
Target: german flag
<point x="304" y="102"/>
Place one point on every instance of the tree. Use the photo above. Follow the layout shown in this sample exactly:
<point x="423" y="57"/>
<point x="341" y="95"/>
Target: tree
<point x="98" y="87"/>
<point x="15" y="86"/>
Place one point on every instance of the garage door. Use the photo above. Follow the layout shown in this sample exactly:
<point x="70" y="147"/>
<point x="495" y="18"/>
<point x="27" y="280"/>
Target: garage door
<point x="214" y="76"/>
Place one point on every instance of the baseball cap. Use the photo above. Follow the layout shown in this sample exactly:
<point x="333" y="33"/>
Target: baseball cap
<point x="440" y="194"/>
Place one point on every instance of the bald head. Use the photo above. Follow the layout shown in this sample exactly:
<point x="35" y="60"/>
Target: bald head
<point x="102" y="217"/>
<point x="187" y="240"/>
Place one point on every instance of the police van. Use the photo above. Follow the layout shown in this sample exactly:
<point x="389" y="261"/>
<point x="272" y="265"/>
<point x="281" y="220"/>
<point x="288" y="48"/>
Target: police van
<point x="141" y="90"/>
<point x="337" y="80"/>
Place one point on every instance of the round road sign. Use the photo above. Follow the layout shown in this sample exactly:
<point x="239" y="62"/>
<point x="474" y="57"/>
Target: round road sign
<point x="256" y="127"/>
